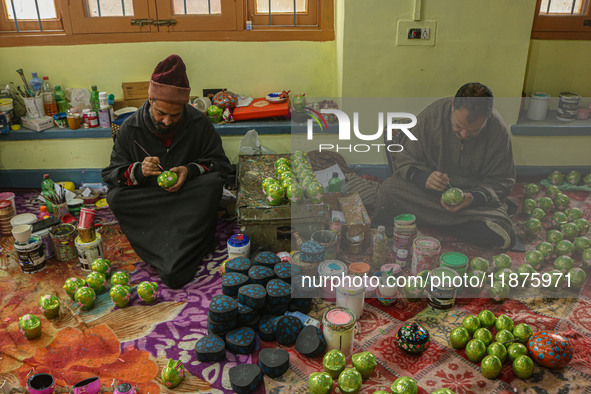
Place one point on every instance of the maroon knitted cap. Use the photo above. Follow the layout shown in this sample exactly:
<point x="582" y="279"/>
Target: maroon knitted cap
<point x="169" y="81"/>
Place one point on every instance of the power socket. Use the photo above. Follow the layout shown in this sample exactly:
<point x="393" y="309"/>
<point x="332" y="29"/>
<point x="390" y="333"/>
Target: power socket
<point x="425" y="33"/>
<point x="411" y="32"/>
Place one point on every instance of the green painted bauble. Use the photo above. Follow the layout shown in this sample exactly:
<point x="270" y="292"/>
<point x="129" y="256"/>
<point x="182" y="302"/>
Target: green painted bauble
<point x="475" y="350"/>
<point x="101" y="265"/>
<point x="148" y="291"/>
<point x="120" y="295"/>
<point x="459" y="337"/>
<point x="214" y="113"/>
<point x="582" y="226"/>
<point x="529" y="205"/>
<point x="275" y="193"/>
<point x="573" y="214"/>
<point x="556" y="178"/>
<point x="501" y="261"/>
<point x="561" y="201"/>
<point x="350" y="381"/>
<point x="522" y="332"/>
<point x="295" y="193"/>
<point x="552" y="191"/>
<point x="452" y="196"/>
<point x="523" y="367"/>
<point x="404" y="385"/>
<point x="570" y="231"/>
<point x="573" y="177"/>
<point x="167" y="179"/>
<point x="577" y="277"/>
<point x="498" y="350"/>
<point x="564" y="263"/>
<point x="96" y="281"/>
<point x="30" y="326"/>
<point x="558" y="219"/>
<point x="320" y="383"/>
<point x="480" y="264"/>
<point x="120" y="278"/>
<point x="538" y="213"/>
<point x="334" y="363"/>
<point x="73" y="284"/>
<point x="174" y="372"/>
<point x="534" y="258"/>
<point x="491" y="366"/>
<point x="315" y="193"/>
<point x="547" y="249"/>
<point x="545" y="204"/>
<point x="531" y="190"/>
<point x="85" y="297"/>
<point x="49" y="305"/>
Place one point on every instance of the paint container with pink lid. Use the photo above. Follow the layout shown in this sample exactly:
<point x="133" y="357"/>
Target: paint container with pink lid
<point x="338" y="327"/>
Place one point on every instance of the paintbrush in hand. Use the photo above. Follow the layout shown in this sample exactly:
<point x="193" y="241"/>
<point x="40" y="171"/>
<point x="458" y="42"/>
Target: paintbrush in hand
<point x="146" y="152"/>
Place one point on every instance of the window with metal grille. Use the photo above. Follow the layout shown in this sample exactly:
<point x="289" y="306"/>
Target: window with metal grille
<point x="562" y="19"/>
<point x="55" y="22"/>
<point x="284" y="13"/>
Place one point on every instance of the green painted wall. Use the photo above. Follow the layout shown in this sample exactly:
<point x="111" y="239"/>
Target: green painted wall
<point x="556" y="66"/>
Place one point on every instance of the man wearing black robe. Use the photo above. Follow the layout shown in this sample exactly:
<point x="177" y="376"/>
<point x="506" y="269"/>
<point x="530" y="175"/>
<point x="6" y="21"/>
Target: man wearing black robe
<point x="462" y="142"/>
<point x="171" y="229"/>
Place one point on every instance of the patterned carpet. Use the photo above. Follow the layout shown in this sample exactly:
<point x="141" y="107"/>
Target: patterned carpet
<point x="132" y="344"/>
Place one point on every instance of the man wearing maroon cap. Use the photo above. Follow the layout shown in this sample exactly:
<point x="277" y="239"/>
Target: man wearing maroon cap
<point x="171" y="229"/>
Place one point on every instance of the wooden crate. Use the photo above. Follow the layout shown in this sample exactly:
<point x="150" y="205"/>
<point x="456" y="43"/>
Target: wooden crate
<point x="271" y="227"/>
<point x="135" y="90"/>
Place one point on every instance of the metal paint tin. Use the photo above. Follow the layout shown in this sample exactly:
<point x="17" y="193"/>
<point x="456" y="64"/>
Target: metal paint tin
<point x="31" y="256"/>
<point x="454" y="260"/>
<point x="63" y="237"/>
<point x="351" y="296"/>
<point x="442" y="296"/>
<point x="405" y="231"/>
<point x="327" y="269"/>
<point x="46" y="239"/>
<point x="89" y="251"/>
<point x="568" y="106"/>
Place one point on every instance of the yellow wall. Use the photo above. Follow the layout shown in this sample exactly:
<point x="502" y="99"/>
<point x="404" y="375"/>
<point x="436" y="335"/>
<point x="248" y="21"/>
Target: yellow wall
<point x="248" y="68"/>
<point x="556" y="66"/>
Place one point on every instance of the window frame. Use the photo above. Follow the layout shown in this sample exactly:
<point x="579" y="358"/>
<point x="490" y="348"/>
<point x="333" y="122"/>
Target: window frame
<point x="562" y="27"/>
<point x="49" y="25"/>
<point x="307" y="19"/>
<point x="68" y="36"/>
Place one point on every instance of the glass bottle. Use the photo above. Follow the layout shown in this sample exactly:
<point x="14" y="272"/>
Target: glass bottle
<point x="334" y="184"/>
<point x="35" y="83"/>
<point x="94" y="98"/>
<point x="49" y="104"/>
<point x="60" y="97"/>
<point x="379" y="248"/>
<point x="48" y="191"/>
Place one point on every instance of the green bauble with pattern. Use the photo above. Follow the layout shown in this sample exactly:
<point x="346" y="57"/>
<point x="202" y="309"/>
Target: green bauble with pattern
<point x="275" y="193"/>
<point x="214" y="113"/>
<point x="573" y="177"/>
<point x="577" y="277"/>
<point x="267" y="182"/>
<point x="498" y="293"/>
<point x="523" y="367"/>
<point x="564" y="248"/>
<point x="501" y="261"/>
<point x="484" y="335"/>
<point x="515" y="350"/>
<point x="587" y="180"/>
<point x="167" y="179"/>
<point x="365" y="363"/>
<point x="534" y="258"/>
<point x="487" y="318"/>
<point x="334" y="363"/>
<point x="49" y="305"/>
<point x="532" y="228"/>
<point x="350" y="381"/>
<point x="30" y="326"/>
<point x="148" y="291"/>
<point x="320" y="383"/>
<point x="564" y="263"/>
<point x="120" y="278"/>
<point x="556" y="178"/>
<point x="471" y="323"/>
<point x="491" y="366"/>
<point x="480" y="264"/>
<point x="287" y="182"/>
<point x="282" y="161"/>
<point x="524" y="269"/>
<point x="562" y="201"/>
<point x="459" y="337"/>
<point x="295" y="193"/>
<point x="531" y="190"/>
<point x="475" y="350"/>
<point x="522" y="332"/>
<point x="404" y="385"/>
<point x="528" y="206"/>
<point x="558" y="219"/>
<point x="443" y="391"/>
<point x="85" y="297"/>
<point x="554" y="236"/>
<point x="545" y="204"/>
<point x="573" y="214"/>
<point x="582" y="226"/>
<point x="285" y="175"/>
<point x="96" y="281"/>
<point x="120" y="295"/>
<point x="586" y="259"/>
<point x="281" y="170"/>
<point x="552" y="191"/>
<point x="452" y="196"/>
<point x="570" y="231"/>
<point x="101" y="265"/>
<point x="73" y="284"/>
<point x="547" y="249"/>
<point x="504" y="322"/>
<point x="315" y="193"/>
<point x="538" y="213"/>
<point x="503" y="337"/>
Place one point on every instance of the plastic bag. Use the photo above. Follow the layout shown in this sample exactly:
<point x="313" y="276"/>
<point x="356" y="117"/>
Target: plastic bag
<point x="250" y="145"/>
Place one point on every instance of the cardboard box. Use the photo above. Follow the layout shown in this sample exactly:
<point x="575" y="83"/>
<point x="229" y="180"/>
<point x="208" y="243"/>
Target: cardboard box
<point x="357" y="222"/>
<point x="37" y="124"/>
<point x="118" y="104"/>
<point x="135" y="90"/>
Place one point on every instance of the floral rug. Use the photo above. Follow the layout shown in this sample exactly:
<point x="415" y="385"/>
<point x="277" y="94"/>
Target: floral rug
<point x="132" y="344"/>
